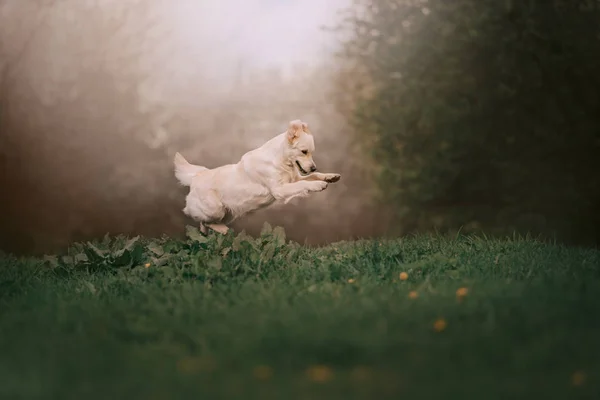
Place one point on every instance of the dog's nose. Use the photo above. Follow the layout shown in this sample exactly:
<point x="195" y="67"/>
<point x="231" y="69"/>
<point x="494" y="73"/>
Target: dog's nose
<point x="313" y="168"/>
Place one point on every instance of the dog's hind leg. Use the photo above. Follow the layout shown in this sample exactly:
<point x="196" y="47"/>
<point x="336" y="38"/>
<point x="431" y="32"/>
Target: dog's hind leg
<point x="220" y="228"/>
<point x="207" y="209"/>
<point x="203" y="229"/>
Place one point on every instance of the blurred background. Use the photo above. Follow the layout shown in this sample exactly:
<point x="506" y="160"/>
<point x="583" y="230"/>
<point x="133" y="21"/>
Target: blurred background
<point x="470" y="115"/>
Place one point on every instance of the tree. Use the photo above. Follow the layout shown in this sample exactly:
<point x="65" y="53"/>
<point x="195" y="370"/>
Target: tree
<point x="480" y="114"/>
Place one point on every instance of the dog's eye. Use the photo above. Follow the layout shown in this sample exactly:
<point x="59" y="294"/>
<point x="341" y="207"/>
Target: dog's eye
<point x="304" y="151"/>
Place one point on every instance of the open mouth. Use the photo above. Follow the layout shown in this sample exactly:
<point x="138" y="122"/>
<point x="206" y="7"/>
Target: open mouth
<point x="302" y="171"/>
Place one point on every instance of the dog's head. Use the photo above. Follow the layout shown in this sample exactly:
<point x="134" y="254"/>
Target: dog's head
<point x="300" y="147"/>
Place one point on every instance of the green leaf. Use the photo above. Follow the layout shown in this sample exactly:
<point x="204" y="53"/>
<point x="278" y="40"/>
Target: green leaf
<point x="131" y="243"/>
<point x="106" y="240"/>
<point x="94" y="254"/>
<point x="130" y="255"/>
<point x="156" y="249"/>
<point x="291" y="254"/>
<point x="137" y="255"/>
<point x="160" y="261"/>
<point x="68" y="260"/>
<point x="266" y="229"/>
<point x="123" y="259"/>
<point x="268" y="251"/>
<point x="80" y="258"/>
<point x="194" y="234"/>
<point x="225" y="251"/>
<point x="171" y="246"/>
<point x="215" y="263"/>
<point x="239" y="239"/>
<point x="51" y="261"/>
<point x="220" y="239"/>
<point x="279" y="236"/>
<point x="182" y="255"/>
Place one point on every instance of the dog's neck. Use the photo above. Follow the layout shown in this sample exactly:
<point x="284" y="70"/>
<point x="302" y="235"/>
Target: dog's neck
<point x="286" y="153"/>
<point x="285" y="163"/>
<point x="278" y="148"/>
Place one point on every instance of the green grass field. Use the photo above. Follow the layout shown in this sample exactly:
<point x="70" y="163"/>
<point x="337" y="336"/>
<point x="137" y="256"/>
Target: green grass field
<point x="242" y="317"/>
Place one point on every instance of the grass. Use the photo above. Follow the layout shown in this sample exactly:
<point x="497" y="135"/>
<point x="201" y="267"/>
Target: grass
<point x="242" y="317"/>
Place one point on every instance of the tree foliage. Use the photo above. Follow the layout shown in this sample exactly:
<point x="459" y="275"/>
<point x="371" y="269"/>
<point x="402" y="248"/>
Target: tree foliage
<point x="480" y="114"/>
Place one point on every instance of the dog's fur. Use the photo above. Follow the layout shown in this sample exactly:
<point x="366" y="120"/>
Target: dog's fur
<point x="279" y="170"/>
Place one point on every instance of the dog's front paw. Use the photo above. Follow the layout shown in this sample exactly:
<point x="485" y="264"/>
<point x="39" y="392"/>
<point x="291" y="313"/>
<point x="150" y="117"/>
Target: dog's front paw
<point x="318" y="186"/>
<point x="332" y="178"/>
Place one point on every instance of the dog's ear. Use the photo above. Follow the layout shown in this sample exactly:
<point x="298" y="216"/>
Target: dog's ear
<point x="296" y="126"/>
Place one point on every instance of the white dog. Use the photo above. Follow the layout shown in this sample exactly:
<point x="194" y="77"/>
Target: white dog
<point x="279" y="170"/>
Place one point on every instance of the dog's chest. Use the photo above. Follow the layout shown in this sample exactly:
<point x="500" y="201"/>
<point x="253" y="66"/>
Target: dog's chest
<point x="287" y="176"/>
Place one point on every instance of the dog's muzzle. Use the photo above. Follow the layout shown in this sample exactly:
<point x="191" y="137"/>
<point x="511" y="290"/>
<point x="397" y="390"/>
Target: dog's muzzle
<point x="313" y="168"/>
<point x="302" y="171"/>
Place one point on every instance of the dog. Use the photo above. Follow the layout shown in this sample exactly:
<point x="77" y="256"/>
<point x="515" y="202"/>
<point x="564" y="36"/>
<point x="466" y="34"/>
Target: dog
<point x="280" y="170"/>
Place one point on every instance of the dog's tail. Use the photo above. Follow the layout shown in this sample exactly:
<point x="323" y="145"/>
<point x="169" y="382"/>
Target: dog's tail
<point x="184" y="171"/>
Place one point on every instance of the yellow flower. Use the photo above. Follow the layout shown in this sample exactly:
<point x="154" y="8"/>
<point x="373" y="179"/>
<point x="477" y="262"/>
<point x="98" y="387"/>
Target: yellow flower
<point x="351" y="280"/>
<point x="439" y="325"/>
<point x="263" y="372"/>
<point x="578" y="378"/>
<point x="147" y="265"/>
<point x="192" y="365"/>
<point x="403" y="276"/>
<point x="413" y="294"/>
<point x="319" y="373"/>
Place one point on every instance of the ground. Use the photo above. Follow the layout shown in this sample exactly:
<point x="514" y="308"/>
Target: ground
<point x="240" y="317"/>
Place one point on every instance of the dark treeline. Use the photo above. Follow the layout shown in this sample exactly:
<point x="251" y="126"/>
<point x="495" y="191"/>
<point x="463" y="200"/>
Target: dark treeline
<point x="480" y="115"/>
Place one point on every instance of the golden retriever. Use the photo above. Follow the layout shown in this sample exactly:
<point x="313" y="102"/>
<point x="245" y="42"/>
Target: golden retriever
<point x="280" y="170"/>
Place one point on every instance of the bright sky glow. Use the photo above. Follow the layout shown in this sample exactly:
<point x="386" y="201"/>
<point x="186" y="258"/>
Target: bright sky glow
<point x="255" y="32"/>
